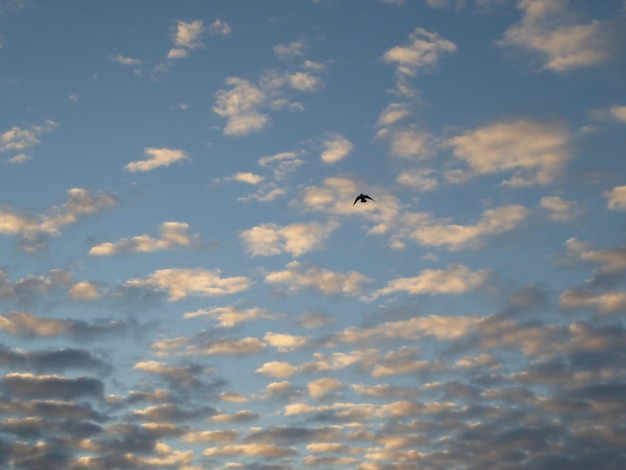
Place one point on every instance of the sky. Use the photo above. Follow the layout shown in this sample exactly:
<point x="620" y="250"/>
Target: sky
<point x="187" y="282"/>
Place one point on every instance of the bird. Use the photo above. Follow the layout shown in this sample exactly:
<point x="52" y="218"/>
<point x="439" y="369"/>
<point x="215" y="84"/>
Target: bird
<point x="363" y="198"/>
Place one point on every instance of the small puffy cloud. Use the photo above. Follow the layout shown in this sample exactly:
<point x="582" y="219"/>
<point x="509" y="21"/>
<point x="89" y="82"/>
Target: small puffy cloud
<point x="297" y="239"/>
<point x="304" y="81"/>
<point x="247" y="177"/>
<point x="423" y="50"/>
<point x="17" y="139"/>
<point x="393" y="113"/>
<point x="227" y="347"/>
<point x="240" y="106"/>
<point x="157" y="157"/>
<point x="616" y="198"/>
<point x="457" y="237"/>
<point x="187" y="34"/>
<point x="219" y="27"/>
<point x="277" y="369"/>
<point x="455" y="279"/>
<point x="336" y="148"/>
<point x="173" y="236"/>
<point x="290" y="50"/>
<point x="177" y="53"/>
<point x="285" y="342"/>
<point x="183" y="376"/>
<point x="222" y="436"/>
<point x="300" y="277"/>
<point x="321" y="388"/>
<point x="534" y="151"/>
<point x="559" y="210"/>
<point x="549" y="28"/>
<point x="84" y="291"/>
<point x="231" y="316"/>
<point x="180" y="283"/>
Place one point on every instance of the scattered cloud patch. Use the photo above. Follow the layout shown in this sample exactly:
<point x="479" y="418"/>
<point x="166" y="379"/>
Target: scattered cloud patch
<point x="616" y="198"/>
<point x="157" y="157"/>
<point x="336" y="148"/>
<point x="18" y="139"/>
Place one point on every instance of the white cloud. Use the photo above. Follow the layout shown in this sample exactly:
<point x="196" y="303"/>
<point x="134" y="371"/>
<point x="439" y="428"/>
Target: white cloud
<point x="177" y="53"/>
<point x="611" y="261"/>
<point x="424" y="50"/>
<point x="277" y="369"/>
<point x="240" y="107"/>
<point x="393" y="113"/>
<point x="220" y="27"/>
<point x="18" y="139"/>
<point x="231" y="316"/>
<point x="187" y="34"/>
<point x="336" y="148"/>
<point x="173" y="236"/>
<point x="285" y="342"/>
<point x="120" y="59"/>
<point x="616" y="198"/>
<point x="534" y="151"/>
<point x="84" y="291"/>
<point x="559" y="210"/>
<point x="180" y="283"/>
<point x="549" y="27"/>
<point x="290" y="50"/>
<point x="18" y="159"/>
<point x="157" y="157"/>
<point x="320" y="388"/>
<point x="406" y="143"/>
<point x="457" y="237"/>
<point x="455" y="279"/>
<point x="302" y="276"/>
<point x="304" y="81"/>
<point x="297" y="239"/>
<point x="247" y="177"/>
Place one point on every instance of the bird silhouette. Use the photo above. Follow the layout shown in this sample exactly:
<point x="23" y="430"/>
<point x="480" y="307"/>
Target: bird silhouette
<point x="363" y="198"/>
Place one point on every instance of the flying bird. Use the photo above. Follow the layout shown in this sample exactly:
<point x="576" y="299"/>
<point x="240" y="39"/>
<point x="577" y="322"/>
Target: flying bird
<point x="363" y="198"/>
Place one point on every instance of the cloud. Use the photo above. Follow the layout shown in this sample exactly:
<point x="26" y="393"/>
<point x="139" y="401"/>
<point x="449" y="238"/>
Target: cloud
<point x="618" y="113"/>
<point x="24" y="324"/>
<point x="297" y="239"/>
<point x="173" y="236"/>
<point x="120" y="59"/>
<point x="18" y="159"/>
<point x="187" y="34"/>
<point x="300" y="277"/>
<point x="458" y="237"/>
<point x="321" y="388"/>
<point x="231" y="316"/>
<point x="180" y="283"/>
<point x="336" y="148"/>
<point x="157" y="157"/>
<point x="240" y="107"/>
<point x="611" y="260"/>
<point x="80" y="202"/>
<point x="277" y="369"/>
<point x="285" y="342"/>
<point x="418" y="180"/>
<point x="247" y="177"/>
<point x="423" y="51"/>
<point x="534" y="151"/>
<point x="550" y="28"/>
<point x="616" y="198"/>
<point x="290" y="50"/>
<point x="304" y="81"/>
<point x="267" y="451"/>
<point x="605" y="302"/>
<point x="179" y="376"/>
<point x="220" y="27"/>
<point x="455" y="279"/>
<point x="27" y="385"/>
<point x="558" y="209"/>
<point x="17" y="139"/>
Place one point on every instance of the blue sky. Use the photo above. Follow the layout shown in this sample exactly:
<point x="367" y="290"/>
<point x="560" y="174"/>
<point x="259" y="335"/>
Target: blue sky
<point x="186" y="282"/>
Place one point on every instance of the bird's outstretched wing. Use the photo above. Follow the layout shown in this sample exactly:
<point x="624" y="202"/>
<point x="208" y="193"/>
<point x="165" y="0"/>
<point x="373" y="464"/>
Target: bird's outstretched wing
<point x="367" y="197"/>
<point x="357" y="198"/>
